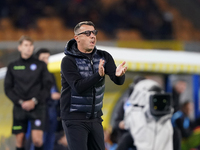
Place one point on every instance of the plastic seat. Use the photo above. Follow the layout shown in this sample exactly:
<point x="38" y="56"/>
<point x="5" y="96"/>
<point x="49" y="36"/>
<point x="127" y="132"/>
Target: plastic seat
<point x="129" y="35"/>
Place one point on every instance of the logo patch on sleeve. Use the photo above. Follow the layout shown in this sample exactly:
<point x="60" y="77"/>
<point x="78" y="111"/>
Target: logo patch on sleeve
<point x="19" y="67"/>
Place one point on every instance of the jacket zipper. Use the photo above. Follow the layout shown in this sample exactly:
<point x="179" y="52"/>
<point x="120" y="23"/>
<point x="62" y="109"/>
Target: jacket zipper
<point x="93" y="104"/>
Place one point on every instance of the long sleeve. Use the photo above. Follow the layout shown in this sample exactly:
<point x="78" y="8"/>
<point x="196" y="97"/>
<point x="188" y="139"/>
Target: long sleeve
<point x="110" y="69"/>
<point x="32" y="80"/>
<point x="47" y="82"/>
<point x="70" y="72"/>
<point x="8" y="87"/>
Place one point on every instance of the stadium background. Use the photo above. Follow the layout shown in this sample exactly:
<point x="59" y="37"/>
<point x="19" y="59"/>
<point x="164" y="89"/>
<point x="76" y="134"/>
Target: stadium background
<point x="144" y="24"/>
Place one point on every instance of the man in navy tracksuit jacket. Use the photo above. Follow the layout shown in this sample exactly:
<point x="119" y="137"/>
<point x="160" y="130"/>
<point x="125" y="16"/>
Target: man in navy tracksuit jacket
<point x="27" y="85"/>
<point x="83" y="72"/>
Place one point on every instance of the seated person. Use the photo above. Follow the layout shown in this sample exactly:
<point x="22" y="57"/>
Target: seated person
<point x="181" y="120"/>
<point x="186" y="127"/>
<point x="110" y="139"/>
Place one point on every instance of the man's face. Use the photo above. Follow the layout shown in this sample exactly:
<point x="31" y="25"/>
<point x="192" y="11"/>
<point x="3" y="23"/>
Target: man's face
<point x="180" y="86"/>
<point x="188" y="109"/>
<point x="86" y="43"/>
<point x="44" y="57"/>
<point x="26" y="49"/>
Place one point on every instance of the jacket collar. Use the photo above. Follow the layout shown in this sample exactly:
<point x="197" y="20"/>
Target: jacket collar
<point x="71" y="49"/>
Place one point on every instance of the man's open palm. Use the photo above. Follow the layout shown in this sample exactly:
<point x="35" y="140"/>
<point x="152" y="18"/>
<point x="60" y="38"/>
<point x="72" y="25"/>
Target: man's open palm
<point x="121" y="69"/>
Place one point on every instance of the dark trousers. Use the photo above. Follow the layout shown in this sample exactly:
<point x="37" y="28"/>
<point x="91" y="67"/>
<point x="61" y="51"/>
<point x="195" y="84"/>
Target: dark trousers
<point x="84" y="135"/>
<point x="177" y="139"/>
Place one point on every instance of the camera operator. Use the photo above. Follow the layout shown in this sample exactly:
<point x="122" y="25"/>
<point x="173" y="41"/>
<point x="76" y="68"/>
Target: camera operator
<point x="148" y="117"/>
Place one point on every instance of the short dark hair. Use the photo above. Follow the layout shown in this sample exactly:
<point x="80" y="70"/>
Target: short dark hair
<point x="90" y="23"/>
<point x="25" y="38"/>
<point x="185" y="104"/>
<point x="40" y="51"/>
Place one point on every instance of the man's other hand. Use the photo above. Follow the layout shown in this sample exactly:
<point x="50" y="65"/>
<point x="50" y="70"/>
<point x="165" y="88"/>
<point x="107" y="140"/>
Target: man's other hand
<point x="121" y="69"/>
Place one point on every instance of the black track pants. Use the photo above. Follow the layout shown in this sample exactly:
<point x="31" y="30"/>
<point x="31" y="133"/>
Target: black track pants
<point x="84" y="135"/>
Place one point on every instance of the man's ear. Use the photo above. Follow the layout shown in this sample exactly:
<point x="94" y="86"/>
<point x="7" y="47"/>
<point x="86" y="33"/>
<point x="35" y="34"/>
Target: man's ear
<point x="19" y="48"/>
<point x="76" y="38"/>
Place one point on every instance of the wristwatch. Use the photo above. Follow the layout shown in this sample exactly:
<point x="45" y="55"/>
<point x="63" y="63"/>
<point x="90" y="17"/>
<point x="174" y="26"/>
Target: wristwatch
<point x="21" y="101"/>
<point x="35" y="100"/>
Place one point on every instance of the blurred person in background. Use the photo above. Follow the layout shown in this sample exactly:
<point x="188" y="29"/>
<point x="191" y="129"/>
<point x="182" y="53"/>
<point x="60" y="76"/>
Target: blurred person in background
<point x="52" y="105"/>
<point x="124" y="139"/>
<point x="53" y="132"/>
<point x="110" y="139"/>
<point x="178" y="88"/>
<point x="60" y="142"/>
<point x="83" y="72"/>
<point x="27" y="85"/>
<point x="182" y="122"/>
<point x="147" y="116"/>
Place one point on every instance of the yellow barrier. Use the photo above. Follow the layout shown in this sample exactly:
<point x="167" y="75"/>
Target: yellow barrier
<point x="109" y="102"/>
<point x="6" y="114"/>
<point x="167" y="68"/>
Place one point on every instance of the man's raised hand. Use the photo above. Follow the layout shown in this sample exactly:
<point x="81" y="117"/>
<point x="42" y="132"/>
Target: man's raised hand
<point x="101" y="68"/>
<point x="121" y="69"/>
